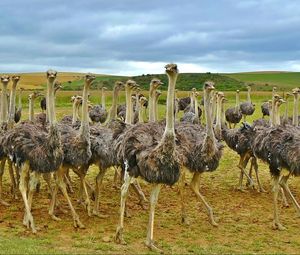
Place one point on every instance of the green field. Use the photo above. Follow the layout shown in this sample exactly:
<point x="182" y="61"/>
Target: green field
<point x="266" y="80"/>
<point x="244" y="217"/>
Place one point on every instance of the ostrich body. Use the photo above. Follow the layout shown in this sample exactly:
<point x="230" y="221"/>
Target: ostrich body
<point x="77" y="154"/>
<point x="34" y="152"/>
<point x="193" y="112"/>
<point x="18" y="113"/>
<point x="233" y="114"/>
<point x="74" y="119"/>
<point x="150" y="152"/>
<point x="98" y="113"/>
<point x="247" y="108"/>
<point x="183" y="103"/>
<point x="265" y="109"/>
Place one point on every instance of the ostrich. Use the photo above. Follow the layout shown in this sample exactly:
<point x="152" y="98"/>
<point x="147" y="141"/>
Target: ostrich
<point x="202" y="150"/>
<point x="234" y="114"/>
<point x="31" y="99"/>
<point x="183" y="103"/>
<point x="192" y="112"/>
<point x="154" y="85"/>
<point x="4" y="109"/>
<point x="155" y="100"/>
<point x="247" y="108"/>
<point x="265" y="109"/>
<point x="74" y="119"/>
<point x="141" y="104"/>
<point x="279" y="147"/>
<point x="18" y="113"/>
<point x="99" y="113"/>
<point x="34" y="151"/>
<point x="76" y="146"/>
<point x="296" y="93"/>
<point x="43" y="103"/>
<point x="152" y="154"/>
<point x="12" y="104"/>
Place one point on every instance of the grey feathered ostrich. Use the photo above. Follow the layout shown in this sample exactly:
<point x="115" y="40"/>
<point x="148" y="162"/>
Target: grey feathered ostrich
<point x="193" y="112"/>
<point x="18" y="114"/>
<point x="247" y="108"/>
<point x="202" y="150"/>
<point x="98" y="113"/>
<point x="77" y="153"/>
<point x="278" y="146"/>
<point x="35" y="151"/>
<point x="151" y="153"/>
<point x="265" y="109"/>
<point x="234" y="114"/>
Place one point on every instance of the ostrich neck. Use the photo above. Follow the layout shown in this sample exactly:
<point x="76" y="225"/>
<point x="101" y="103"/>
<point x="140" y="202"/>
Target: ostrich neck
<point x="51" y="102"/>
<point x="213" y="109"/>
<point x="273" y="112"/>
<point x="295" y="110"/>
<point x="103" y="99"/>
<point x="169" y="129"/>
<point x="286" y="109"/>
<point x="237" y="102"/>
<point x="277" y="115"/>
<point x="84" y="127"/>
<point x="128" y="118"/>
<point x="218" y="117"/>
<point x="20" y="100"/>
<point x="156" y="109"/>
<point x="223" y="118"/>
<point x="208" y="114"/>
<point x="12" y="102"/>
<point x="31" y="109"/>
<point x="4" y="103"/>
<point x="140" y="111"/>
<point x="74" y="112"/>
<point x="151" y="104"/>
<point x="113" y="109"/>
<point x="248" y="95"/>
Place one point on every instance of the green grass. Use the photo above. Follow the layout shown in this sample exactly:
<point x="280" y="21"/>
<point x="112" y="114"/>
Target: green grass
<point x="266" y="80"/>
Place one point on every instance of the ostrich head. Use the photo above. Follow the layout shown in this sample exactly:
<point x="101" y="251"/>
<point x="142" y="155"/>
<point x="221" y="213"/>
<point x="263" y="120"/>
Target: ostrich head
<point x="51" y="75"/>
<point x="142" y="101"/>
<point x="34" y="95"/>
<point x="15" y="78"/>
<point x="131" y="85"/>
<point x="58" y="85"/>
<point x="89" y="78"/>
<point x="5" y="79"/>
<point x="171" y="69"/>
<point x="296" y="91"/>
<point x="119" y="85"/>
<point x="209" y="86"/>
<point x="155" y="83"/>
<point x="104" y="88"/>
<point x="287" y="95"/>
<point x="237" y="91"/>
<point x="157" y="93"/>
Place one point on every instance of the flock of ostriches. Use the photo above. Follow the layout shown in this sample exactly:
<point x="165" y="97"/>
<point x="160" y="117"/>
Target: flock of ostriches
<point x="159" y="152"/>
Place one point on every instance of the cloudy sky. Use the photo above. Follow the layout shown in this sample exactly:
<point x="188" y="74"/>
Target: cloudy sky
<point x="140" y="36"/>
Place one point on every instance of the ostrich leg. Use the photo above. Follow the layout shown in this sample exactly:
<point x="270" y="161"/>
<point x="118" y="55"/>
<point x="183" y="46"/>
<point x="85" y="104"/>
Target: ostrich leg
<point x="195" y="186"/>
<point x="2" y="166"/>
<point x="99" y="180"/>
<point x="28" y="219"/>
<point x="124" y="193"/>
<point x="276" y="223"/>
<point x="184" y="218"/>
<point x="254" y="164"/>
<point x="244" y="159"/>
<point x="153" y="201"/>
<point x="12" y="179"/>
<point x="283" y="184"/>
<point x="138" y="190"/>
<point x="61" y="184"/>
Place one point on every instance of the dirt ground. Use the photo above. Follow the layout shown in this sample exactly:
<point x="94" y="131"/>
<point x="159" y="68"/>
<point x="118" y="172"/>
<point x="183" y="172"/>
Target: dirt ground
<point x="244" y="218"/>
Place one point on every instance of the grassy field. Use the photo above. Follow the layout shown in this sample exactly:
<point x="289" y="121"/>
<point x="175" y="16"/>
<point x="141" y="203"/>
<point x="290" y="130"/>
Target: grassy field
<point x="244" y="218"/>
<point x="266" y="80"/>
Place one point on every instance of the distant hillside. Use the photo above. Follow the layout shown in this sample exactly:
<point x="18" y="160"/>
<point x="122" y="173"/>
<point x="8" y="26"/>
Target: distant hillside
<point x="266" y="80"/>
<point x="186" y="81"/>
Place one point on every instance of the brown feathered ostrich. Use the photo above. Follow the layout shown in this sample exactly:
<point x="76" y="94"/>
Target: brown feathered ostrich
<point x="18" y="114"/>
<point x="202" y="150"/>
<point x="98" y="113"/>
<point x="76" y="155"/>
<point x="151" y="153"/>
<point x="234" y="114"/>
<point x="193" y="112"/>
<point x="247" y="108"/>
<point x="279" y="147"/>
<point x="35" y="151"/>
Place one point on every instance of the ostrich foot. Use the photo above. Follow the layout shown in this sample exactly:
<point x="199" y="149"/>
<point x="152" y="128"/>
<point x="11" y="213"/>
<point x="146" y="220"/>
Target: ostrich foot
<point x="185" y="220"/>
<point x="87" y="206"/>
<point x="212" y="220"/>
<point x="119" y="236"/>
<point x="29" y="223"/>
<point x="150" y="244"/>
<point x="100" y="215"/>
<point x="240" y="189"/>
<point x="2" y="202"/>
<point x="77" y="223"/>
<point x="262" y="190"/>
<point x="142" y="204"/>
<point x="53" y="217"/>
<point x="279" y="226"/>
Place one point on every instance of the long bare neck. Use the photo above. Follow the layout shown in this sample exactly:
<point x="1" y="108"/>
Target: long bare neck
<point x="196" y="107"/>
<point x="51" y="102"/>
<point x="286" y="109"/>
<point x="84" y="127"/>
<point x="156" y="108"/>
<point x="223" y="118"/>
<point x="12" y="102"/>
<point x="128" y="105"/>
<point x="151" y="104"/>
<point x="237" y="101"/>
<point x="213" y="109"/>
<point x="218" y="114"/>
<point x="277" y="115"/>
<point x="208" y="114"/>
<point x="20" y="100"/>
<point x="169" y="129"/>
<point x="4" y="103"/>
<point x="31" y="109"/>
<point x="295" y="110"/>
<point x="272" y="113"/>
<point x="113" y="109"/>
<point x="140" y="111"/>
<point x="248" y="95"/>
<point x="103" y="98"/>
<point x="74" y="112"/>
